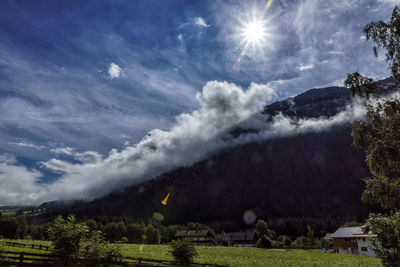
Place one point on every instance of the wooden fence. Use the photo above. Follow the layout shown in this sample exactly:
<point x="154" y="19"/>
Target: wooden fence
<point x="32" y="246"/>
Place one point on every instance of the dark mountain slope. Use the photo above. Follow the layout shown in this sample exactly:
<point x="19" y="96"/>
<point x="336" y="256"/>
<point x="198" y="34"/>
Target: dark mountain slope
<point x="314" y="174"/>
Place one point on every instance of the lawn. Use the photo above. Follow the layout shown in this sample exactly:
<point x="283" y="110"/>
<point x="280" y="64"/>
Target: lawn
<point x="241" y="257"/>
<point x="254" y="256"/>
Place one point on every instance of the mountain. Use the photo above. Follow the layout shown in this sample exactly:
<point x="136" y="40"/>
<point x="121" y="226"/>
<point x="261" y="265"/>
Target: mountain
<point x="313" y="174"/>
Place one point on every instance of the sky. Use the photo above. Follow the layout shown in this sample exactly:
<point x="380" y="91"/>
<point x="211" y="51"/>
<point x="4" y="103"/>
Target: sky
<point x="96" y="95"/>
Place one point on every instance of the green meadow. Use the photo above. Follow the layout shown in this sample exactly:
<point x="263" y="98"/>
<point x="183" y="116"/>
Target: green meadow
<point x="238" y="257"/>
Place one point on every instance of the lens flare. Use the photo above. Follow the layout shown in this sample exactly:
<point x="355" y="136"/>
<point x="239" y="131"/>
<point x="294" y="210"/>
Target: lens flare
<point x="165" y="200"/>
<point x="254" y="32"/>
<point x="249" y="217"/>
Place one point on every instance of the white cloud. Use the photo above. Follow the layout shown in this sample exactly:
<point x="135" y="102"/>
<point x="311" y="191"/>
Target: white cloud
<point x="334" y="52"/>
<point x="26" y="144"/>
<point x="201" y="22"/>
<point x="114" y="71"/>
<point x="306" y="67"/>
<point x="18" y="184"/>
<point x="193" y="137"/>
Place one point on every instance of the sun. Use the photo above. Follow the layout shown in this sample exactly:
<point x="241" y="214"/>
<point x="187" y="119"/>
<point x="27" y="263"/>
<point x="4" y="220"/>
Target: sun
<point x="254" y="32"/>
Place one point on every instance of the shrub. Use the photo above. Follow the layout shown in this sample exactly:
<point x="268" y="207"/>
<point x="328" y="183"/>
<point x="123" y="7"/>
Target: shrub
<point x="66" y="237"/>
<point x="183" y="251"/>
<point x="264" y="242"/>
<point x="302" y="241"/>
<point x="70" y="238"/>
<point x="285" y="240"/>
<point x="99" y="251"/>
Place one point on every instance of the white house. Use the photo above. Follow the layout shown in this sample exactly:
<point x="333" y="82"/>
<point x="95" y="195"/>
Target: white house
<point x="353" y="240"/>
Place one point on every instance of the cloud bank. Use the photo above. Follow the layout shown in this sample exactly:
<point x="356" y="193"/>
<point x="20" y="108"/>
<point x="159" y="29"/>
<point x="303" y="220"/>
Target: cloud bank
<point x="89" y="174"/>
<point x="194" y="136"/>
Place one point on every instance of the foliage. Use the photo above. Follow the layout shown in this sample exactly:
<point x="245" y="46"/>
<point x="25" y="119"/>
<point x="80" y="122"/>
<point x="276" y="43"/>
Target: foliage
<point x="134" y="233"/>
<point x="153" y="235"/>
<point x="98" y="251"/>
<point x="114" y="231"/>
<point x="387" y="243"/>
<point x="286" y="241"/>
<point x="379" y="135"/>
<point x="264" y="242"/>
<point x="66" y="236"/>
<point x="387" y="35"/>
<point x="261" y="228"/>
<point x="183" y="251"/>
<point x="302" y="241"/>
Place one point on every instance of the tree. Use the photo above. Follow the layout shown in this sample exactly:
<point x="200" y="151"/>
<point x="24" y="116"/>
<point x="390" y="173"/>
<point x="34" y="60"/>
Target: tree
<point x="183" y="251"/>
<point x="114" y="231"/>
<point x="262" y="228"/>
<point x="379" y="135"/>
<point x="67" y="236"/>
<point x="135" y="232"/>
<point x="70" y="238"/>
<point x="98" y="251"/>
<point x="153" y="235"/>
<point x="264" y="242"/>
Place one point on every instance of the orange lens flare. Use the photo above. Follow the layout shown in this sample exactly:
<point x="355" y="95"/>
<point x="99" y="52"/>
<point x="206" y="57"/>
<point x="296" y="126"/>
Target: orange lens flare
<point x="165" y="200"/>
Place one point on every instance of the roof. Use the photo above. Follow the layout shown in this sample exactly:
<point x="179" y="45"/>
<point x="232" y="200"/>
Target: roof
<point x="328" y="236"/>
<point x="363" y="232"/>
<point x="239" y="236"/>
<point x="191" y="233"/>
<point x="345" y="232"/>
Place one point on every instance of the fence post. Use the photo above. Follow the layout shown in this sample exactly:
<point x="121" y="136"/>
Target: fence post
<point x="21" y="259"/>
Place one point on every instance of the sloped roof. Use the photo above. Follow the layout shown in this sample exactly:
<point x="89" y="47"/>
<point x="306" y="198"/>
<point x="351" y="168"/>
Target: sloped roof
<point x="191" y="233"/>
<point x="365" y="233"/>
<point x="239" y="236"/>
<point x="328" y="236"/>
<point x="345" y="232"/>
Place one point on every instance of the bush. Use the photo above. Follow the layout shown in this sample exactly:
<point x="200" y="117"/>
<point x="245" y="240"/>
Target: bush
<point x="264" y="242"/>
<point x="183" y="251"/>
<point x="99" y="252"/>
<point x="276" y="244"/>
<point x="302" y="241"/>
<point x="66" y="237"/>
<point x="285" y="240"/>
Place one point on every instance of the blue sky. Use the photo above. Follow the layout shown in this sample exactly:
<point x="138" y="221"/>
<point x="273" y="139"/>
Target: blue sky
<point x="81" y="79"/>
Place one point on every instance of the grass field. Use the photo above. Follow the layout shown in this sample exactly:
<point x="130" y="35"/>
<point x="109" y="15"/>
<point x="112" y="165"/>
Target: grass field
<point x="241" y="257"/>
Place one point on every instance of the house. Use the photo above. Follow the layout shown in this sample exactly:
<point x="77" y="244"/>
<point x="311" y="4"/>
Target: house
<point x="363" y="236"/>
<point x="353" y="240"/>
<point x="199" y="237"/>
<point x="240" y="239"/>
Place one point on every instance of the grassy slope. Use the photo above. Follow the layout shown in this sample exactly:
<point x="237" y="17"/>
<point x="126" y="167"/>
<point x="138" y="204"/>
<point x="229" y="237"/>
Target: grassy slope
<point x="240" y="257"/>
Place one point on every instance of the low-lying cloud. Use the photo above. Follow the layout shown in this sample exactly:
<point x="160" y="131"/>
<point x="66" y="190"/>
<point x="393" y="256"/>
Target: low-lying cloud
<point x="194" y="136"/>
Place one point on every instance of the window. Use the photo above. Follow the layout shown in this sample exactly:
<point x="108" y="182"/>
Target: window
<point x="364" y="249"/>
<point x="363" y="239"/>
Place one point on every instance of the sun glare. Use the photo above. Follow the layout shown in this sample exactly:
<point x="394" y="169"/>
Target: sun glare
<point x="254" y="32"/>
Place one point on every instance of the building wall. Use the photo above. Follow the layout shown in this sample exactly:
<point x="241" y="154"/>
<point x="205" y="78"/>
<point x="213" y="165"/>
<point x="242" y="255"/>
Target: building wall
<point x="363" y="243"/>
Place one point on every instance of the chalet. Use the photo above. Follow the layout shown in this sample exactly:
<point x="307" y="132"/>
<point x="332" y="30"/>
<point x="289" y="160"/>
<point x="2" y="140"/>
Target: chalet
<point x="353" y="240"/>
<point x="199" y="237"/>
<point x="240" y="239"/>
